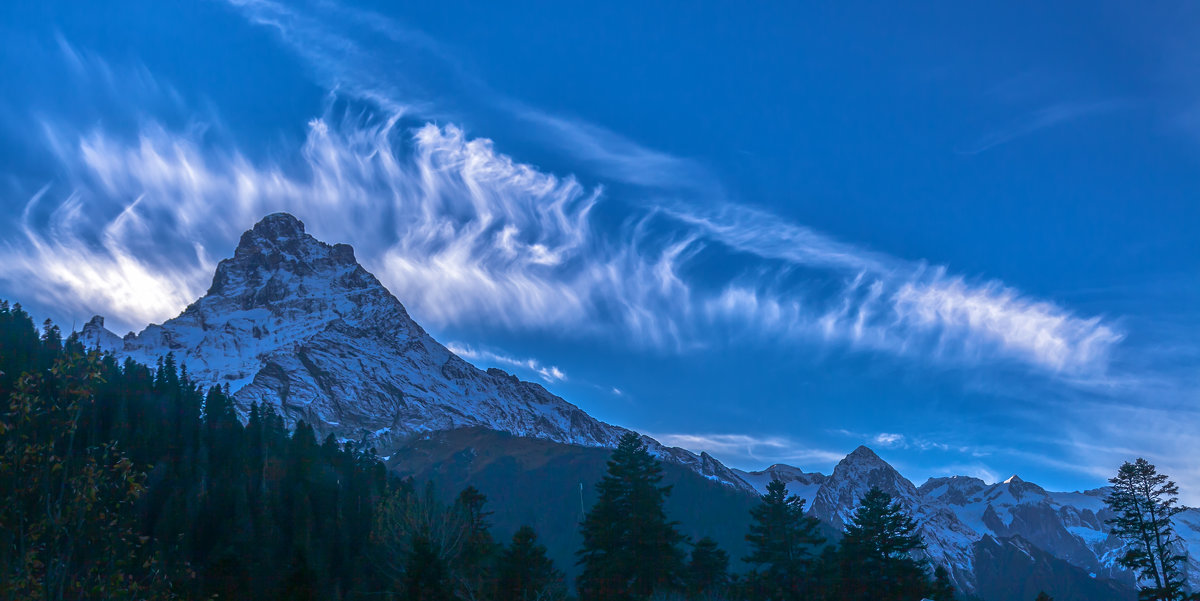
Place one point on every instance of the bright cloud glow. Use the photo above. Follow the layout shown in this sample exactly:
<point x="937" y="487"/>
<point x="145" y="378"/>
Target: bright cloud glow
<point x="462" y="233"/>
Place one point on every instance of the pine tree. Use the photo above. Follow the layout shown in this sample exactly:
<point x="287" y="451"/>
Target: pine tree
<point x="630" y="549"/>
<point x="876" y="553"/>
<point x="783" y="542"/>
<point x="943" y="590"/>
<point x="525" y="573"/>
<point x="827" y="571"/>
<point x="708" y="569"/>
<point x="473" y="568"/>
<point x="1145" y="501"/>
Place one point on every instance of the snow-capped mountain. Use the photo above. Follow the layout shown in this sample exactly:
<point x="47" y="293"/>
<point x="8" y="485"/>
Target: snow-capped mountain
<point x="296" y="324"/>
<point x="960" y="515"/>
<point x="799" y="482"/>
<point x="949" y="540"/>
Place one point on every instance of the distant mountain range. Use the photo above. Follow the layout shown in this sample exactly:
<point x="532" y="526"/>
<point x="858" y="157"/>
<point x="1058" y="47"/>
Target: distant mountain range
<point x="298" y="325"/>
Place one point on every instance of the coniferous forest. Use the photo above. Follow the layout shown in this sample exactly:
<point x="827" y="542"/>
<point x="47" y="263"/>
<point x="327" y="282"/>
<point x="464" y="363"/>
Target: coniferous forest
<point x="122" y="481"/>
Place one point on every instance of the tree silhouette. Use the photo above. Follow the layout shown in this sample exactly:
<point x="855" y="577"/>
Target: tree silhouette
<point x="877" y="553"/>
<point x="630" y="550"/>
<point x="783" y="544"/>
<point x="1145" y="501"/>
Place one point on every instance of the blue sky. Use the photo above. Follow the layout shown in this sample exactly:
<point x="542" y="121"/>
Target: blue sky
<point x="962" y="235"/>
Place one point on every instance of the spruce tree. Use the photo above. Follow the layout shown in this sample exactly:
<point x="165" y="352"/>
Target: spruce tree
<point x="783" y="542"/>
<point x="474" y="570"/>
<point x="630" y="549"/>
<point x="1145" y="501"/>
<point x="708" y="569"/>
<point x="877" y="553"/>
<point x="525" y="573"/>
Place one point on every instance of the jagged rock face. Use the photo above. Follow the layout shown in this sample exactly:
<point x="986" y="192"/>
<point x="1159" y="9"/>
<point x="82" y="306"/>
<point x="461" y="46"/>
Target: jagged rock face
<point x="948" y="540"/>
<point x="956" y="513"/>
<point x="1015" y="569"/>
<point x="852" y="478"/>
<point x="298" y="325"/>
<point x="1071" y="526"/>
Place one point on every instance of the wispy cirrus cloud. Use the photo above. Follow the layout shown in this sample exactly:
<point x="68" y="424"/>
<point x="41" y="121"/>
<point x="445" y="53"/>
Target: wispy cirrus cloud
<point x="549" y="373"/>
<point x="917" y="442"/>
<point x="463" y="233"/>
<point x="752" y="452"/>
<point x="1039" y="119"/>
<point x="885" y="303"/>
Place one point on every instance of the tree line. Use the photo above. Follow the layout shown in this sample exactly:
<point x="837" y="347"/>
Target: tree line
<point x="122" y="481"/>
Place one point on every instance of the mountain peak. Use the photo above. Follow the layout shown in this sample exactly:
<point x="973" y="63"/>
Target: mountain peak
<point x="863" y="454"/>
<point x="273" y="233"/>
<point x="864" y="461"/>
<point x="279" y="226"/>
<point x="852" y="477"/>
<point x="1014" y="479"/>
<point x="277" y="250"/>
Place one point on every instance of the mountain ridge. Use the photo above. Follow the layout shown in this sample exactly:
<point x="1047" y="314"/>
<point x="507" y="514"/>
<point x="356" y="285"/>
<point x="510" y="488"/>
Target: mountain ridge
<point x="299" y="325"/>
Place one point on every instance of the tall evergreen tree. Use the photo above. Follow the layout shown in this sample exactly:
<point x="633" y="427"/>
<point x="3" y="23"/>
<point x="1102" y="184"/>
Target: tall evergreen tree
<point x="1145" y="501"/>
<point x="707" y="570"/>
<point x="525" y="573"/>
<point x="630" y="549"/>
<point x="877" y="560"/>
<point x="783" y="544"/>
<point x="474" y="569"/>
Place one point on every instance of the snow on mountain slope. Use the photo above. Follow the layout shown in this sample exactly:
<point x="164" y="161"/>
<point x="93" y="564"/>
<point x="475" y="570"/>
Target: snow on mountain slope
<point x="800" y="483"/>
<point x="949" y="541"/>
<point x="1070" y="526"/>
<point x="1187" y="525"/>
<point x="956" y="513"/>
<point x="296" y="324"/>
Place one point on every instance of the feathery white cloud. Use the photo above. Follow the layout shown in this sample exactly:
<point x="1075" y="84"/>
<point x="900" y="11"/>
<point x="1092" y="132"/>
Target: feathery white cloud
<point x="751" y="451"/>
<point x="549" y="373"/>
<point x="890" y="304"/>
<point x="463" y="233"/>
